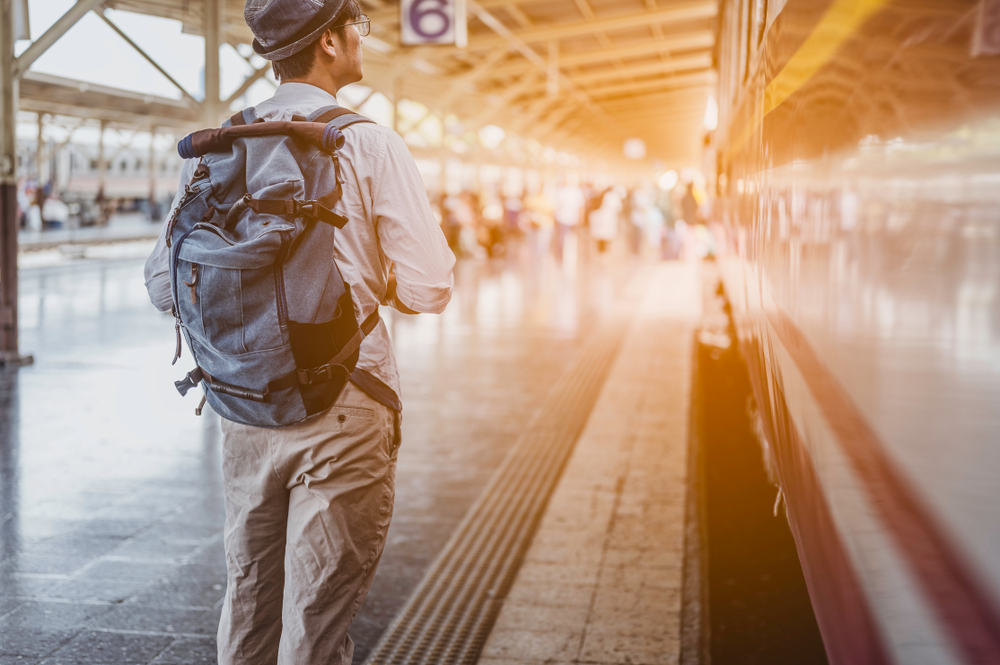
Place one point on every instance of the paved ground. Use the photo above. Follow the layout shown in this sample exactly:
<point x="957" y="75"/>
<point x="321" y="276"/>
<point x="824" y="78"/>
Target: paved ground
<point x="602" y="580"/>
<point x="110" y="502"/>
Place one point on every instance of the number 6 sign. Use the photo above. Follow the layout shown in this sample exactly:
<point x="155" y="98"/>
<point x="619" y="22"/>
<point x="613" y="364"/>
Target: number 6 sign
<point x="432" y="22"/>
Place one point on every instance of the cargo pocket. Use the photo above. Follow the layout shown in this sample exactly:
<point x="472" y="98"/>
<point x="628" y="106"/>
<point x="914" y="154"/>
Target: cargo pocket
<point x="261" y="305"/>
<point x="220" y="298"/>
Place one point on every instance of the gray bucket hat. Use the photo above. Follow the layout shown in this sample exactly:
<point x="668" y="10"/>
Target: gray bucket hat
<point x="282" y="28"/>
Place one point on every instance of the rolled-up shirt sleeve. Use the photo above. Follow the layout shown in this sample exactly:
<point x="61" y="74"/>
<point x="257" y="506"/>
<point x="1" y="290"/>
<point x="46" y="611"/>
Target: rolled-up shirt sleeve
<point x="157" y="270"/>
<point x="409" y="234"/>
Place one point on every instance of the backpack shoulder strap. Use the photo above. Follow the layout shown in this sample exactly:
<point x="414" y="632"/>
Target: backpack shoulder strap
<point x="338" y="116"/>
<point x="244" y="117"/>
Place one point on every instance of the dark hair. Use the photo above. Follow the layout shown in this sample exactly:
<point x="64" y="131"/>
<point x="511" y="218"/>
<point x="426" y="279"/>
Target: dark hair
<point x="302" y="62"/>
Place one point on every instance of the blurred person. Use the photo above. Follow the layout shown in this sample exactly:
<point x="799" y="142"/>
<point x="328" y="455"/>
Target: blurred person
<point x="450" y="223"/>
<point x="655" y="222"/>
<point x="672" y="243"/>
<point x="538" y="209"/>
<point x="604" y="219"/>
<point x="705" y="248"/>
<point x="638" y="216"/>
<point x="688" y="240"/>
<point x="689" y="205"/>
<point x="308" y="505"/>
<point x="468" y="218"/>
<point x="665" y="203"/>
<point x="23" y="203"/>
<point x="494" y="230"/>
<point x="55" y="212"/>
<point x="568" y="210"/>
<point x="513" y="208"/>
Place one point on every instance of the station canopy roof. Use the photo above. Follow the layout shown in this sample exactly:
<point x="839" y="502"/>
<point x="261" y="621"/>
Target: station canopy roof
<point x="585" y="75"/>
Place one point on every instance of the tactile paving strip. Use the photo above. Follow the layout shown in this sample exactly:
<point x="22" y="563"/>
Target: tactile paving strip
<point x="449" y="616"/>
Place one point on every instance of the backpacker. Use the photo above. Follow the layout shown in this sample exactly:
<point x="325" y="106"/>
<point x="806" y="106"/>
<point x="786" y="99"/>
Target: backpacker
<point x="256" y="291"/>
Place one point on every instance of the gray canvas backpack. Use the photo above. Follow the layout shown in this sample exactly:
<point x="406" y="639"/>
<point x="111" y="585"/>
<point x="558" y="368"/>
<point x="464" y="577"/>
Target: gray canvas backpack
<point x="256" y="291"/>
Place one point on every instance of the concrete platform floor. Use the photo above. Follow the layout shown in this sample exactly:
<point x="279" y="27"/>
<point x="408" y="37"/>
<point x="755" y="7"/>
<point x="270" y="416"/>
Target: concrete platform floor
<point x="110" y="500"/>
<point x="602" y="581"/>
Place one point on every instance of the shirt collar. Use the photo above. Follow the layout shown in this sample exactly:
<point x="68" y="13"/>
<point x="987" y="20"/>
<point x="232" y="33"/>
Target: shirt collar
<point x="294" y="99"/>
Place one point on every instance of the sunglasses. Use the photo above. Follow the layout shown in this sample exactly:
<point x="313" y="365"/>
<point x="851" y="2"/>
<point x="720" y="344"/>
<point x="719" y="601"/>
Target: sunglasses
<point x="364" y="25"/>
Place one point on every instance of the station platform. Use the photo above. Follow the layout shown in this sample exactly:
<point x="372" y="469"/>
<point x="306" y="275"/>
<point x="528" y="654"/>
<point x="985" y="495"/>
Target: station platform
<point x="552" y="399"/>
<point x="121" y="228"/>
<point x="603" y="579"/>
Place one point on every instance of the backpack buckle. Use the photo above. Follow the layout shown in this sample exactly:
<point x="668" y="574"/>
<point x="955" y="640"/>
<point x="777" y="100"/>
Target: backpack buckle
<point x="321" y="374"/>
<point x="193" y="378"/>
<point x="307" y="208"/>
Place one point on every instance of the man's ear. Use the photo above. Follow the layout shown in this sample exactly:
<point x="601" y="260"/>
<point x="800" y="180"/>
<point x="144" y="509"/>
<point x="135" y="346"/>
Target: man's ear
<point x="328" y="44"/>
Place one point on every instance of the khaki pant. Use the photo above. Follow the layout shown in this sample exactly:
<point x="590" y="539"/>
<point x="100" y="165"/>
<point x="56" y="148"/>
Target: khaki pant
<point x="307" y="510"/>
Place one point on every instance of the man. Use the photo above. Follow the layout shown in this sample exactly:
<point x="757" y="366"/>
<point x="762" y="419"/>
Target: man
<point x="308" y="506"/>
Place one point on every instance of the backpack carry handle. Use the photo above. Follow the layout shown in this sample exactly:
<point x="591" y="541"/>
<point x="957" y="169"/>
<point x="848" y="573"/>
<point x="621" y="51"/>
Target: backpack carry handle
<point x="202" y="142"/>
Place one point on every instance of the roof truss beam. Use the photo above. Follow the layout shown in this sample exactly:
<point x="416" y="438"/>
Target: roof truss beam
<point x="701" y="39"/>
<point x="187" y="95"/>
<point x="460" y="83"/>
<point x="257" y="75"/>
<point x="662" y="99"/>
<point x="503" y="100"/>
<point x="52" y="35"/>
<point x="632" y="88"/>
<point x="693" y="62"/>
<point x="676" y="13"/>
<point x="506" y="35"/>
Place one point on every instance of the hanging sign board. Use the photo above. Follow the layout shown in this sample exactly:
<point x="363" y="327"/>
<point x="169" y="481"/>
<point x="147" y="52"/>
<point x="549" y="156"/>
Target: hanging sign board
<point x="433" y="22"/>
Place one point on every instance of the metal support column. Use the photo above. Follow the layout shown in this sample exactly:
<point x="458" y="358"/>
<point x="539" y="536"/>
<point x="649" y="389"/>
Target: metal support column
<point x="212" y="106"/>
<point x="9" y="226"/>
<point x="152" y="174"/>
<point x="40" y="149"/>
<point x="102" y="172"/>
<point x="102" y="162"/>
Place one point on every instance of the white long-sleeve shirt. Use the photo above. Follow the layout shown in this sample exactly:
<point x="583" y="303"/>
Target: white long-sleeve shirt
<point x="390" y="226"/>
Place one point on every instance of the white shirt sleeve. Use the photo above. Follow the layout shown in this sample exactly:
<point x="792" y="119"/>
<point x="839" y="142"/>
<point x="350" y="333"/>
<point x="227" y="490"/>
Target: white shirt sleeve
<point x="409" y="233"/>
<point x="157" y="270"/>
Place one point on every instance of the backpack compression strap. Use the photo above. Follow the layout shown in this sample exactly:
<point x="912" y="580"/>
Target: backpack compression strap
<point x="316" y="209"/>
<point x="308" y="377"/>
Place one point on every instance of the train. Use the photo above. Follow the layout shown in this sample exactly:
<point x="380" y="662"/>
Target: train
<point x="857" y="172"/>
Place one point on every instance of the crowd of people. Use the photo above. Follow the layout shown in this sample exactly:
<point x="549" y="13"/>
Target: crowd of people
<point x="643" y="219"/>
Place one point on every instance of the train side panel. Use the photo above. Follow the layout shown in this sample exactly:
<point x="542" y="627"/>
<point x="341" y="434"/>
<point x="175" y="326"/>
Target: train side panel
<point x="858" y="160"/>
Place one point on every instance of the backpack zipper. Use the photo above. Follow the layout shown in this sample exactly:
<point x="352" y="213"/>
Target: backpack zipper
<point x="217" y="231"/>
<point x="193" y="284"/>
<point x="177" y="260"/>
<point x="176" y="309"/>
<point x="279" y="281"/>
<point x="177" y="332"/>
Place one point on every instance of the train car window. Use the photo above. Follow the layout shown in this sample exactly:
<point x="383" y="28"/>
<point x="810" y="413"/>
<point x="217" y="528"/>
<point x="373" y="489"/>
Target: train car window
<point x="774" y="8"/>
<point x="744" y="32"/>
<point x="759" y="20"/>
<point x="731" y="61"/>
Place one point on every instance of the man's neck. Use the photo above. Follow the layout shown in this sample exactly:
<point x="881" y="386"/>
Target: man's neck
<point x="319" y="78"/>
